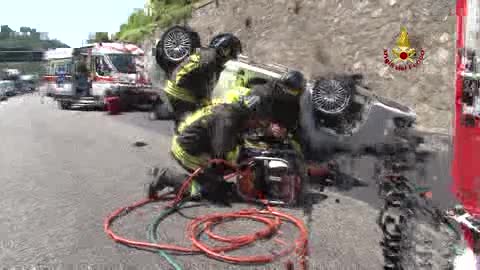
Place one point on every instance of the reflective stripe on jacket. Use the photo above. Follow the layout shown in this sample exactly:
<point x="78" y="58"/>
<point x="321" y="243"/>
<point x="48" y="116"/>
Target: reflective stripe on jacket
<point x="200" y="119"/>
<point x="172" y="87"/>
<point x="179" y="93"/>
<point x="236" y="94"/>
<point x="193" y="63"/>
<point x="188" y="161"/>
<point x="194" y="117"/>
<point x="192" y="162"/>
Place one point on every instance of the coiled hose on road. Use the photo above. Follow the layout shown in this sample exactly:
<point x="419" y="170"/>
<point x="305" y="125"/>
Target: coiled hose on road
<point x="270" y="217"/>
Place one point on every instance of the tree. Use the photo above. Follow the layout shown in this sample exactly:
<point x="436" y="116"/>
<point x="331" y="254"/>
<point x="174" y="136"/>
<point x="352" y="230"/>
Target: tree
<point x="163" y="13"/>
<point x="24" y="29"/>
<point x="99" y="37"/>
<point x="102" y="37"/>
<point x="35" y="35"/>
<point x="123" y="27"/>
<point x="5" y="31"/>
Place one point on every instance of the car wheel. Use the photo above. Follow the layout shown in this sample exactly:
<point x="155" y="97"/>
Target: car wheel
<point x="331" y="97"/>
<point x="177" y="43"/>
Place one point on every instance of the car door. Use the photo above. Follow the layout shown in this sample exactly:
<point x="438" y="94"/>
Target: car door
<point x="63" y="84"/>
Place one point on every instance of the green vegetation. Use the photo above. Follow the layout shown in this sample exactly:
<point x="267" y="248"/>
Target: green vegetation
<point x="138" y="26"/>
<point x="164" y="13"/>
<point x="99" y="37"/>
<point x="27" y="38"/>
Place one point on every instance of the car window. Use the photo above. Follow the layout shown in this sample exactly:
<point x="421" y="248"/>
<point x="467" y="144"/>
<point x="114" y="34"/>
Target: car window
<point x="101" y="66"/>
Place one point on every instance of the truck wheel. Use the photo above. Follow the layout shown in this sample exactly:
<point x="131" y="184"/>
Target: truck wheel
<point x="63" y="105"/>
<point x="160" y="111"/>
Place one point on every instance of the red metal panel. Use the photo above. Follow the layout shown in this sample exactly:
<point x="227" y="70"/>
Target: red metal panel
<point x="466" y="140"/>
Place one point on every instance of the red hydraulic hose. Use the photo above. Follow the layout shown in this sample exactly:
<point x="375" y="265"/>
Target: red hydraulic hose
<point x="272" y="219"/>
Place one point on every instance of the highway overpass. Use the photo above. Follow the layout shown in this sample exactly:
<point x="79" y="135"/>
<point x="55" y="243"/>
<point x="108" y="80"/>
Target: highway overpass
<point x="20" y="55"/>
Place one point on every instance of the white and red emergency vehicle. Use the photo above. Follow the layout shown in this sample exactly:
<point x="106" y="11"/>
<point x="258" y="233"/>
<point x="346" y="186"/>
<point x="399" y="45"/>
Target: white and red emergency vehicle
<point x="115" y="68"/>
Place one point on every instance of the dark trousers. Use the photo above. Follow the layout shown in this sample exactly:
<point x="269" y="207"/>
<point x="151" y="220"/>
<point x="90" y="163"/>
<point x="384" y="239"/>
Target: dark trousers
<point x="181" y="108"/>
<point x="172" y="173"/>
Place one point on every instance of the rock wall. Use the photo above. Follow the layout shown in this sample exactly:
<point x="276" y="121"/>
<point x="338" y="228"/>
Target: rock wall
<point x="323" y="36"/>
<point x="155" y="73"/>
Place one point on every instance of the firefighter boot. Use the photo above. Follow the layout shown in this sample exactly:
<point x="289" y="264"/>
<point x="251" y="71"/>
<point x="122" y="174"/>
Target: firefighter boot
<point x="157" y="182"/>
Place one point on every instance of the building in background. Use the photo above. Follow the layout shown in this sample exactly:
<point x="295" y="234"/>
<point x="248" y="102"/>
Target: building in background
<point x="148" y="7"/>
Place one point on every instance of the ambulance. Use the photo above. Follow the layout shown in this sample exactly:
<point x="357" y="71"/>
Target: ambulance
<point x="114" y="69"/>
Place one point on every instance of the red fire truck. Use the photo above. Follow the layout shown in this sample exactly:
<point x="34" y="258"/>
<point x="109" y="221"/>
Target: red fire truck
<point x="466" y="132"/>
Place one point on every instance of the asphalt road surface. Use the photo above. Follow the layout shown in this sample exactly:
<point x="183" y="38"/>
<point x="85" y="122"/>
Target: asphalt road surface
<point x="63" y="172"/>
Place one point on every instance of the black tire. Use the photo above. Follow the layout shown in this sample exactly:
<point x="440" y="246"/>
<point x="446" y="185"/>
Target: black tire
<point x="177" y="43"/>
<point x="160" y="111"/>
<point x="102" y="108"/>
<point x="164" y="64"/>
<point x="468" y="121"/>
<point x="63" y="105"/>
<point x="331" y="97"/>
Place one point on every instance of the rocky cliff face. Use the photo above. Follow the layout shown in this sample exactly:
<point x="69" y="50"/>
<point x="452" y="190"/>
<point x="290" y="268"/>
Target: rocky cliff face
<point x="324" y="36"/>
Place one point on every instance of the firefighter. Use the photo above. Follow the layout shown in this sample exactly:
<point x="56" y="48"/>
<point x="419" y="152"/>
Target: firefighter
<point x="280" y="101"/>
<point x="191" y="84"/>
<point x="215" y="132"/>
<point x="82" y="76"/>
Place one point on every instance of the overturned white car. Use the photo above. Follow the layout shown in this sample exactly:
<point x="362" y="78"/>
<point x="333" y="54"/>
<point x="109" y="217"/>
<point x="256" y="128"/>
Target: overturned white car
<point x="336" y="112"/>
